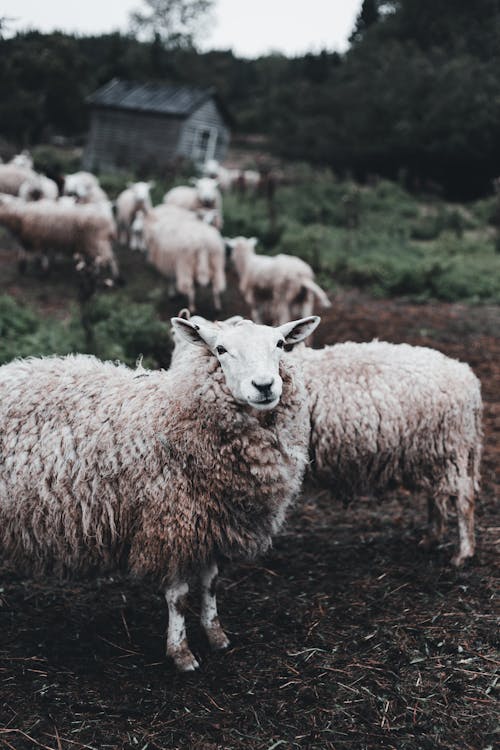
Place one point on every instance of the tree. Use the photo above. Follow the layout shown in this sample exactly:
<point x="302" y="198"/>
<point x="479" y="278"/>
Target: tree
<point x="367" y="16"/>
<point x="176" y="23"/>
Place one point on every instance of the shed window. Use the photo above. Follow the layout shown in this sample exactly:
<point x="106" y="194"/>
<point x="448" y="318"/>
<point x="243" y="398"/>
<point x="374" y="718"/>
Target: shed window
<point x="204" y="144"/>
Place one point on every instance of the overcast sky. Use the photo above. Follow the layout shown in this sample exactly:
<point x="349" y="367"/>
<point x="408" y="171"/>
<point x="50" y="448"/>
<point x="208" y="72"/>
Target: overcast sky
<point x="249" y="27"/>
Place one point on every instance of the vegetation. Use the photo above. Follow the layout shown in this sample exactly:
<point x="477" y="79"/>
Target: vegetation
<point x="121" y="330"/>
<point x="414" y="98"/>
<point x="378" y="237"/>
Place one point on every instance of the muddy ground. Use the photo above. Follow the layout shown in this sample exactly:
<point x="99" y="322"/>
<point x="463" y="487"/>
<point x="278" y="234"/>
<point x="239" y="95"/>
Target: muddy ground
<point x="347" y="635"/>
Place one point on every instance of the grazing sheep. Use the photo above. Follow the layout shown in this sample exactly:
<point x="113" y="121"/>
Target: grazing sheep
<point x="79" y="181"/>
<point x="226" y="178"/>
<point x="24" y="160"/>
<point x="204" y="196"/>
<point x="183" y="249"/>
<point x="46" y="227"/>
<point x="13" y="176"/>
<point x="37" y="187"/>
<point x="136" y="197"/>
<point x="384" y="414"/>
<point x="277" y="287"/>
<point x="161" y="474"/>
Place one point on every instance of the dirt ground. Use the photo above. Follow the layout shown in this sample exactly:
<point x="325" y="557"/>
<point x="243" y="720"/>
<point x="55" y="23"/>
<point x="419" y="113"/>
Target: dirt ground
<point x="347" y="635"/>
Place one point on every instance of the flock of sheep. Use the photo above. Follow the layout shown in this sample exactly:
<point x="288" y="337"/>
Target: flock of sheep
<point x="163" y="474"/>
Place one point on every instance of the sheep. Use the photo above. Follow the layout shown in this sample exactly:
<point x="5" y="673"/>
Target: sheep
<point x="275" y="286"/>
<point x="13" y="176"/>
<point x="386" y="413"/>
<point x="226" y="178"/>
<point x="39" y="186"/>
<point x="182" y="248"/>
<point x="134" y="198"/>
<point x="23" y="160"/>
<point x="79" y="181"/>
<point x="203" y="196"/>
<point x="162" y="474"/>
<point x="392" y="414"/>
<point x="47" y="226"/>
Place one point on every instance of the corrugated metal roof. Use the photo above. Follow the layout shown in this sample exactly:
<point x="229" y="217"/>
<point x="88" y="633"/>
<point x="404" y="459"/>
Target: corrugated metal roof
<point x="150" y="97"/>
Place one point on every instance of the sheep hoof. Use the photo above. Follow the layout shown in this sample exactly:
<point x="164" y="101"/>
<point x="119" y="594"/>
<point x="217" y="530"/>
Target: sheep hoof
<point x="458" y="560"/>
<point x="183" y="659"/>
<point x="217" y="639"/>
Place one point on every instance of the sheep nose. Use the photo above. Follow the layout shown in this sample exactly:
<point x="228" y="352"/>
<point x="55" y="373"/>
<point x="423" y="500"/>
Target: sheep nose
<point x="263" y="388"/>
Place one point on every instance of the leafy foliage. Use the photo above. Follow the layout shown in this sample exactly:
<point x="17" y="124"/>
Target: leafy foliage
<point x="122" y="330"/>
<point x="414" y="97"/>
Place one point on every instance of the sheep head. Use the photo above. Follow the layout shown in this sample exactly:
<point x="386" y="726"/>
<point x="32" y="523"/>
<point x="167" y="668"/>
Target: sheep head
<point x="249" y="354"/>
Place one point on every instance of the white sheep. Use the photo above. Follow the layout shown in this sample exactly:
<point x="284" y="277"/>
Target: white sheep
<point x="79" y="182"/>
<point x="392" y="415"/>
<point x="275" y="287"/>
<point x="185" y="250"/>
<point x="384" y="414"/>
<point x="158" y="473"/>
<point x="134" y="198"/>
<point x="23" y="160"/>
<point x="37" y="187"/>
<point x="45" y="227"/>
<point x="13" y="176"/>
<point x="226" y="178"/>
<point x="203" y="196"/>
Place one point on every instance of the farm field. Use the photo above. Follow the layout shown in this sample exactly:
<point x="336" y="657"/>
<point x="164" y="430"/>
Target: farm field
<point x="347" y="635"/>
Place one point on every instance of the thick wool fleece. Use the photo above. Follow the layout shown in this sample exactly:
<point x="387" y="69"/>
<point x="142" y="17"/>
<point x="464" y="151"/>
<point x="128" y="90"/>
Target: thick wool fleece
<point x="383" y="413"/>
<point x="156" y="472"/>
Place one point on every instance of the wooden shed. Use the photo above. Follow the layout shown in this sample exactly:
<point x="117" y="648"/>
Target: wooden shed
<point x="147" y="125"/>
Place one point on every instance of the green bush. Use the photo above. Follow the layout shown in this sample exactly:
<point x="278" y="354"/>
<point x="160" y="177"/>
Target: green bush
<point x="23" y="333"/>
<point x="54" y="160"/>
<point x="120" y="330"/>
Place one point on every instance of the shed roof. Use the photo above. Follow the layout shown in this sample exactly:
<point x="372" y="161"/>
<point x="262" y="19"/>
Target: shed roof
<point x="150" y="97"/>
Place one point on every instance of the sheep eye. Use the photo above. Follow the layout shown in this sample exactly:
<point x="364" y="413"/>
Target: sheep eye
<point x="280" y="344"/>
<point x="220" y="350"/>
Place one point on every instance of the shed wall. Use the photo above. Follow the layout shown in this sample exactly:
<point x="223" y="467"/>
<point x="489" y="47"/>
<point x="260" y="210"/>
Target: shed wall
<point x="120" y="139"/>
<point x="206" y="117"/>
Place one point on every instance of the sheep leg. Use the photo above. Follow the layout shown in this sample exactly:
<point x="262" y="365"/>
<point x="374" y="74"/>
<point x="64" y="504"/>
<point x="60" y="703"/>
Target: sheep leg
<point x="437" y="514"/>
<point x="209" y="617"/>
<point x="177" y="645"/>
<point x="465" y="518"/>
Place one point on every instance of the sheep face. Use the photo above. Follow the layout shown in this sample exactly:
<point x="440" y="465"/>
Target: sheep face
<point x="206" y="188"/>
<point x="141" y="192"/>
<point x="249" y="354"/>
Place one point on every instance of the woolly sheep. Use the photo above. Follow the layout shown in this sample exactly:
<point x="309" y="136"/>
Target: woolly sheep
<point x="183" y="249"/>
<point x="24" y="160"/>
<point x="276" y="288"/>
<point x="159" y="473"/>
<point x="49" y="226"/>
<point x="202" y="197"/>
<point x="37" y="187"/>
<point x="79" y="181"/>
<point x="13" y="176"/>
<point x="134" y="198"/>
<point x="386" y="413"/>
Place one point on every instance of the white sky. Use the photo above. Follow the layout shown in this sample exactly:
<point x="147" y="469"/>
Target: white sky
<point x="249" y="27"/>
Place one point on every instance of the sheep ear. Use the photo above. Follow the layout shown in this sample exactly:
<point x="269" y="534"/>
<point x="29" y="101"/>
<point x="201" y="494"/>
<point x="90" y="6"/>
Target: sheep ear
<point x="298" y="330"/>
<point x="253" y="241"/>
<point x="234" y="320"/>
<point x="199" y="335"/>
<point x="193" y="180"/>
<point x="184" y="314"/>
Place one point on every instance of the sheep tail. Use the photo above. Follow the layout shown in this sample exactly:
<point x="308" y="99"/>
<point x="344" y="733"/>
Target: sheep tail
<point x="317" y="291"/>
